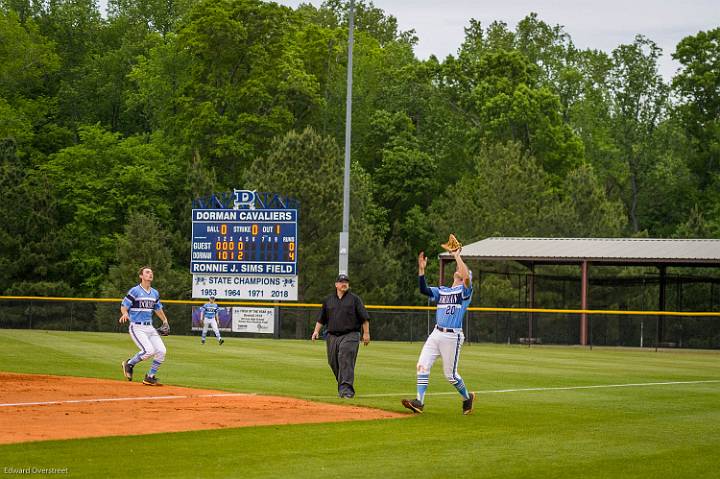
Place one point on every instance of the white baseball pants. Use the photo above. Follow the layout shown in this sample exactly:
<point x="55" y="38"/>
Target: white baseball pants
<point x="445" y="345"/>
<point x="213" y="324"/>
<point x="148" y="340"/>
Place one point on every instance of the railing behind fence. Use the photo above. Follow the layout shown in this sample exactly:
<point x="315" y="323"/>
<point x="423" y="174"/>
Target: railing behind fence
<point x="399" y="323"/>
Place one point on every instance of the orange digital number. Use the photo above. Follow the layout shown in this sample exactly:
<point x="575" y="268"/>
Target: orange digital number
<point x="254" y="229"/>
<point x="223" y="229"/>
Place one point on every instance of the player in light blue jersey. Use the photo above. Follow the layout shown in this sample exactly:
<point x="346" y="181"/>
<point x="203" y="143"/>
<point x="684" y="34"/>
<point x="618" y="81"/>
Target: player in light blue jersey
<point x="447" y="337"/>
<point x="209" y="317"/>
<point x="138" y="307"/>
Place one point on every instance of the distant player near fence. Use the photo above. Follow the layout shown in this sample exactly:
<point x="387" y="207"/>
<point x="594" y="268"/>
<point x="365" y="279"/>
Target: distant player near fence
<point x="447" y="337"/>
<point x="138" y="307"/>
<point x="209" y="317"/>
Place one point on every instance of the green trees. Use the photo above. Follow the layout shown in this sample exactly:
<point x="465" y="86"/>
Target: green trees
<point x="698" y="83"/>
<point x="509" y="194"/>
<point x="308" y="167"/>
<point x="98" y="183"/>
<point x="698" y="86"/>
<point x="245" y="83"/>
<point x="110" y="126"/>
<point x="503" y="97"/>
<point x="638" y="106"/>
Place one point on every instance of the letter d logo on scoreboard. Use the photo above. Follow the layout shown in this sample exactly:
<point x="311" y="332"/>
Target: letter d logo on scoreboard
<point x="244" y="198"/>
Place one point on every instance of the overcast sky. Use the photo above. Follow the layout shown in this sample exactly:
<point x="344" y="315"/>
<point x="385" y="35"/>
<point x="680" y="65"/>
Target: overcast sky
<point x="597" y="24"/>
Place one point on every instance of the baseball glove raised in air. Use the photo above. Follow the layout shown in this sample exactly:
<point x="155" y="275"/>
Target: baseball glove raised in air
<point x="164" y="330"/>
<point x="452" y="244"/>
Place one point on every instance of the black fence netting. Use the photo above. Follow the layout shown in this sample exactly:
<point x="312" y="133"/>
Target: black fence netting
<point x="509" y="327"/>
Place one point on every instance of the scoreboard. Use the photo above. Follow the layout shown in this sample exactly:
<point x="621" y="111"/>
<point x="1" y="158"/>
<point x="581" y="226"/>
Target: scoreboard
<point x="244" y="242"/>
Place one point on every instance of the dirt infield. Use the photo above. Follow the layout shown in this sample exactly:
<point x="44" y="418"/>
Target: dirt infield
<point x="39" y="407"/>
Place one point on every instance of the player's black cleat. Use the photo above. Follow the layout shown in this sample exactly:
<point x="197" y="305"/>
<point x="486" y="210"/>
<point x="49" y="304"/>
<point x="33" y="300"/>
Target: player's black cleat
<point x="468" y="404"/>
<point x="414" y="405"/>
<point x="221" y="341"/>
<point x="127" y="370"/>
<point x="150" y="381"/>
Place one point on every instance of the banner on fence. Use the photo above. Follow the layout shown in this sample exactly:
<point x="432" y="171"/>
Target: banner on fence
<point x="253" y="320"/>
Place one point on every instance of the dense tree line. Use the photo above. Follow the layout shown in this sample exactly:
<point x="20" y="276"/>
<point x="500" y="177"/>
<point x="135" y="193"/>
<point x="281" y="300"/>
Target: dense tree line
<point x="110" y="126"/>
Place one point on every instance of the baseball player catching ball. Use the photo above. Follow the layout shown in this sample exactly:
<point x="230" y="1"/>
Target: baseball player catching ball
<point x="447" y="337"/>
<point x="209" y="315"/>
<point x="138" y="307"/>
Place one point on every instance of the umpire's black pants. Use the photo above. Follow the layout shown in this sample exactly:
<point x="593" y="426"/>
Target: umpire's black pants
<point x="342" y="351"/>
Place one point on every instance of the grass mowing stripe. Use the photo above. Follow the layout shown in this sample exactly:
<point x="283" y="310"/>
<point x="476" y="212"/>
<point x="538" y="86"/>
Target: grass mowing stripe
<point x="564" y="388"/>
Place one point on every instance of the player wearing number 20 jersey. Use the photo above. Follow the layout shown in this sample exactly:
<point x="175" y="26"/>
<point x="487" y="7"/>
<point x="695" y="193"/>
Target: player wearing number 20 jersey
<point x="451" y="303"/>
<point x="447" y="337"/>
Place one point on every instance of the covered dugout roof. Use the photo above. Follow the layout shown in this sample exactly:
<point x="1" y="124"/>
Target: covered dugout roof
<point x="609" y="251"/>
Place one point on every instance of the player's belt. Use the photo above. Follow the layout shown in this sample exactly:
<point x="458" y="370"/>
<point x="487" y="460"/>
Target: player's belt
<point x="448" y="330"/>
<point x="143" y="323"/>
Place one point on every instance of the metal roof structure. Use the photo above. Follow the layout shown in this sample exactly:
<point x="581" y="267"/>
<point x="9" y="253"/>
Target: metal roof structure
<point x="610" y="251"/>
<point x="653" y="252"/>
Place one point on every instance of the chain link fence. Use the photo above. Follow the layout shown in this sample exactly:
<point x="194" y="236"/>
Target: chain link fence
<point x="387" y="324"/>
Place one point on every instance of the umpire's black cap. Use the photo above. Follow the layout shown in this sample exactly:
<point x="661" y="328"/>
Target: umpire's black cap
<point x="342" y="278"/>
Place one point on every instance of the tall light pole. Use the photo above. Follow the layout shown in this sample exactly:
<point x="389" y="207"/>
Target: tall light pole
<point x="345" y="234"/>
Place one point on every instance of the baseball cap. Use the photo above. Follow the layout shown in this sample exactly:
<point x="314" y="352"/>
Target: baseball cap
<point x="342" y="277"/>
<point x="212" y="297"/>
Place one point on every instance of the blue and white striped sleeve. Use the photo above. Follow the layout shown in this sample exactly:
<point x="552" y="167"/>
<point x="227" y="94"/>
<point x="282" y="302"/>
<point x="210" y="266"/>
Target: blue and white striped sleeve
<point x="128" y="299"/>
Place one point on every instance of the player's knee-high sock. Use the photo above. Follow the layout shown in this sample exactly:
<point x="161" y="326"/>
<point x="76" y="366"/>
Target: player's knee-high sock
<point x="460" y="386"/>
<point x="154" y="367"/>
<point x="423" y="379"/>
<point x="135" y="359"/>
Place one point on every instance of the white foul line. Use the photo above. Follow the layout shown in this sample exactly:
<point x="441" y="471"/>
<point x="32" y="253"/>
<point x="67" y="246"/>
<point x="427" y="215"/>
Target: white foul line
<point x="496" y="391"/>
<point x="139" y="398"/>
<point x="565" y="388"/>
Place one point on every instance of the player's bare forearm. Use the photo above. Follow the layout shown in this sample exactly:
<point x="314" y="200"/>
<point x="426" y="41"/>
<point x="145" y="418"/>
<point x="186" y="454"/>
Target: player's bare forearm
<point x="461" y="268"/>
<point x="161" y="315"/>
<point x="316" y="332"/>
<point x="366" y="333"/>
<point x="123" y="314"/>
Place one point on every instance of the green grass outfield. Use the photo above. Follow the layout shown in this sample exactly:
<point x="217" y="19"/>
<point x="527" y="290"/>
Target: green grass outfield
<point x="670" y="430"/>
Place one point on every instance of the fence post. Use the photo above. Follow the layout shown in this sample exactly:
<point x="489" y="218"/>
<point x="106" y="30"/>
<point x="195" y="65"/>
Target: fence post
<point x="276" y="320"/>
<point x="469" y="320"/>
<point x="428" y="319"/>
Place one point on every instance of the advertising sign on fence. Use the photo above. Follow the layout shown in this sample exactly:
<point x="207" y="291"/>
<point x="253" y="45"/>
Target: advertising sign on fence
<point x="223" y="319"/>
<point x="253" y="320"/>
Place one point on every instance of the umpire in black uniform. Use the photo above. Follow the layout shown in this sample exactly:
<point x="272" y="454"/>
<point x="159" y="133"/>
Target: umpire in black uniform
<point x="345" y="316"/>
